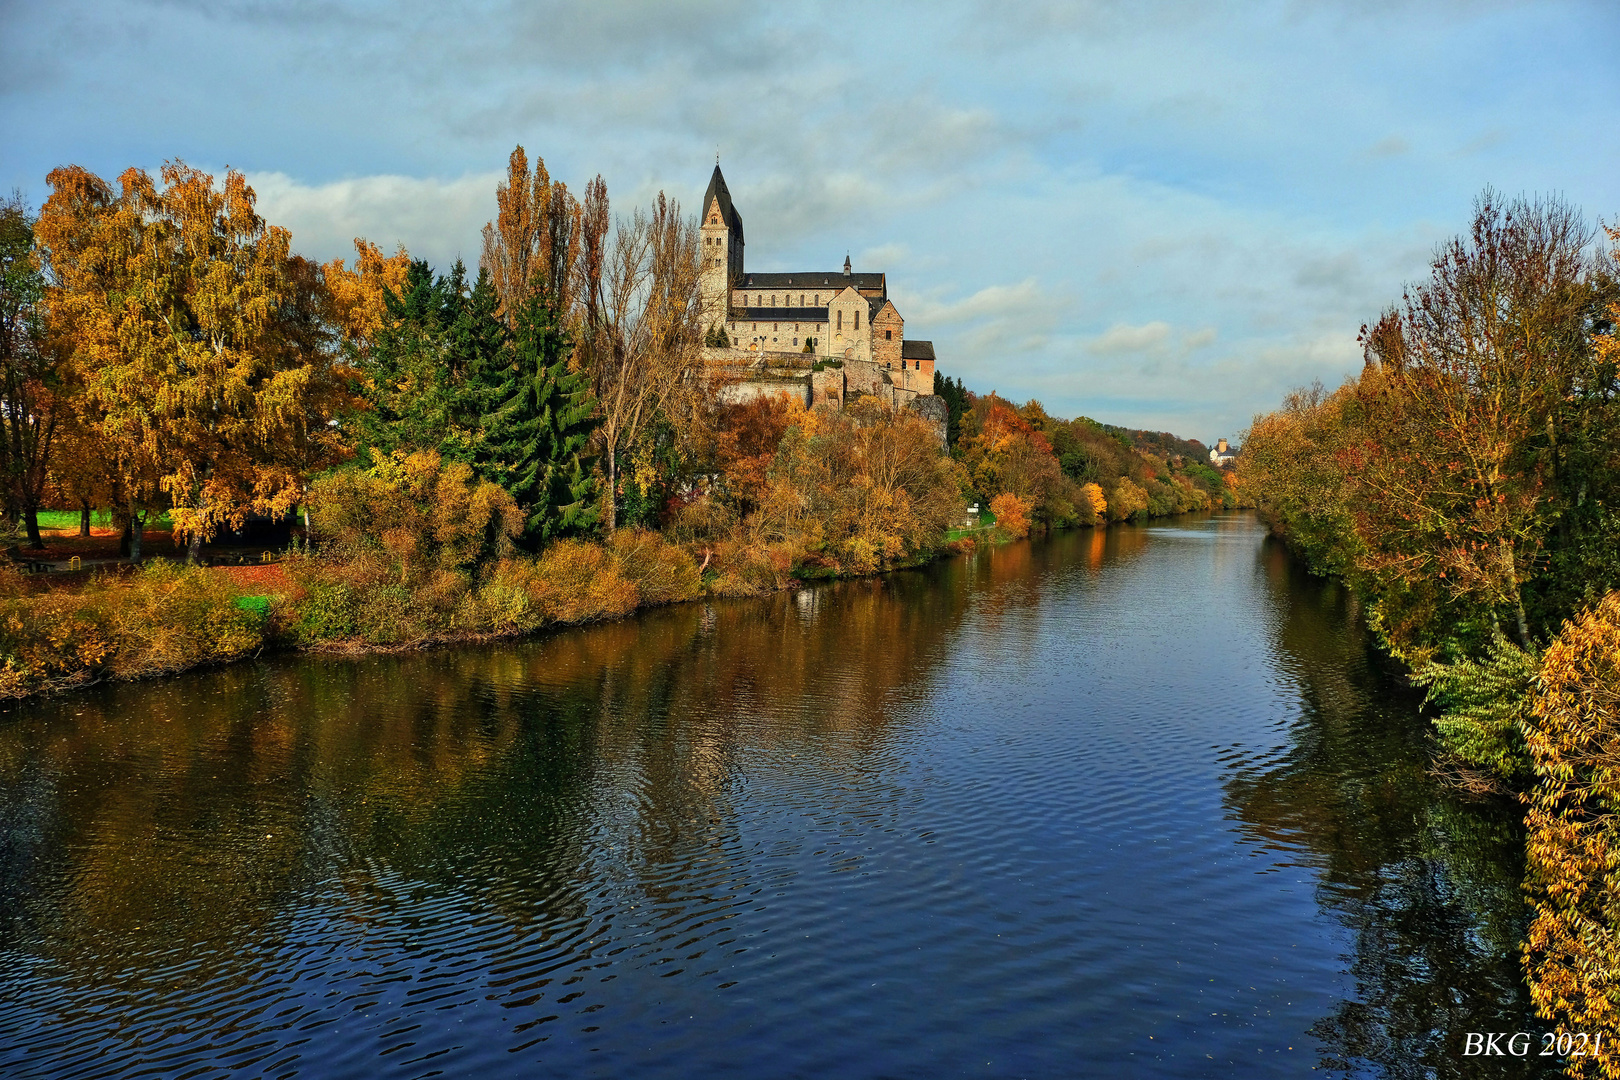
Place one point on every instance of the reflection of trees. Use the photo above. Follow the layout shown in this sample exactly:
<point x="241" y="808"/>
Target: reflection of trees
<point x="1427" y="885"/>
<point x="189" y="817"/>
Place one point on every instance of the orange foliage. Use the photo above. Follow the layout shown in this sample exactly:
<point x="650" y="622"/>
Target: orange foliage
<point x="1012" y="513"/>
<point x="746" y="442"/>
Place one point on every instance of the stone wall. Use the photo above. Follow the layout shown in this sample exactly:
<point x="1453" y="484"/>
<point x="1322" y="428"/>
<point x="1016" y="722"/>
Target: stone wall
<point x="888" y="334"/>
<point x="757" y="387"/>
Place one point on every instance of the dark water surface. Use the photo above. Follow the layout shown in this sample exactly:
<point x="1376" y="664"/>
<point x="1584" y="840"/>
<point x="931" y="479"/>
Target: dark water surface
<point x="1124" y="803"/>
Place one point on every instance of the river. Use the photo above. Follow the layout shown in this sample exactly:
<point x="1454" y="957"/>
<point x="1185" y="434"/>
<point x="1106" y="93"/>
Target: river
<point x="1127" y="802"/>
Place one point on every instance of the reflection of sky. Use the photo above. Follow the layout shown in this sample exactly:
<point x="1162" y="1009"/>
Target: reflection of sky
<point x="1069" y="807"/>
<point x="1152" y="213"/>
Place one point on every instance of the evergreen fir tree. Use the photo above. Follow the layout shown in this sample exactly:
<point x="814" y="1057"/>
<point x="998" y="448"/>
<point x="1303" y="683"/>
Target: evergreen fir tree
<point x="427" y="373"/>
<point x="533" y="441"/>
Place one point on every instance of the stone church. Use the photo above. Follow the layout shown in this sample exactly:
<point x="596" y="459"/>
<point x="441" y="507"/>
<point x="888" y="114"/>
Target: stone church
<point x="783" y="326"/>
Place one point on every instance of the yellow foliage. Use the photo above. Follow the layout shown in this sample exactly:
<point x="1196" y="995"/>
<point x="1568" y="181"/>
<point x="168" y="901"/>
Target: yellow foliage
<point x="580" y="582"/>
<point x="424" y="514"/>
<point x="1572" y="953"/>
<point x="663" y="573"/>
<point x="166" y="618"/>
<point x="1126" y="500"/>
<point x="357" y="295"/>
<point x="1091" y="496"/>
<point x="187" y="318"/>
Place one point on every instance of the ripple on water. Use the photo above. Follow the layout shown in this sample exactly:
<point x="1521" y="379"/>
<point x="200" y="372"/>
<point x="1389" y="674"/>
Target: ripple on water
<point x="1080" y="807"/>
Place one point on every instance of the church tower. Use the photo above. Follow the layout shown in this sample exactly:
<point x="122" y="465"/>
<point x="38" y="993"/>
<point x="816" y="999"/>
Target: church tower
<point x="722" y="249"/>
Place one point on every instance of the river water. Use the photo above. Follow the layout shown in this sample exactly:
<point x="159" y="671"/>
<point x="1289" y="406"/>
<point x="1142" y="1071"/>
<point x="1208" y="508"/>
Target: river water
<point x="1125" y="802"/>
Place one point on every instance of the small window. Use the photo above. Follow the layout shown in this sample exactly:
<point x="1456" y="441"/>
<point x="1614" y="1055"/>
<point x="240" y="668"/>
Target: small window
<point x="888" y="335"/>
<point x="773" y="299"/>
<point x="818" y="300"/>
<point x="795" y="341"/>
<point x="840" y="320"/>
<point x="857" y="320"/>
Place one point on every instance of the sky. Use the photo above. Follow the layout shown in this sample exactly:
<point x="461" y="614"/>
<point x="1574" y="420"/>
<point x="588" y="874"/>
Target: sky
<point x="1156" y="213"/>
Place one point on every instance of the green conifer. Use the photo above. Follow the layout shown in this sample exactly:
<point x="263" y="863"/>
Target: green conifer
<point x="533" y="441"/>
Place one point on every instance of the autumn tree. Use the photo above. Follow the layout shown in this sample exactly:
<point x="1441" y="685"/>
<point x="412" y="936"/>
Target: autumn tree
<point x="1573" y="845"/>
<point x="641" y="327"/>
<point x="176" y="298"/>
<point x="535" y="239"/>
<point x="359" y="296"/>
<point x="33" y="382"/>
<point x="1454" y="482"/>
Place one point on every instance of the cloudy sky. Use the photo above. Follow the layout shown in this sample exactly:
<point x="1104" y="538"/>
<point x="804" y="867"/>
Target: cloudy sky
<point x="1158" y="213"/>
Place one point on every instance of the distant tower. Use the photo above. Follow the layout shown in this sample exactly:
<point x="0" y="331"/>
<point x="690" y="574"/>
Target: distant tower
<point x="722" y="253"/>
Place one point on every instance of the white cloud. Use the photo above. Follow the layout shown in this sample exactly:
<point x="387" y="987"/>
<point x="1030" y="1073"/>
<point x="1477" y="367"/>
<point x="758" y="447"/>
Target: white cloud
<point x="437" y="220"/>
<point x="1122" y="338"/>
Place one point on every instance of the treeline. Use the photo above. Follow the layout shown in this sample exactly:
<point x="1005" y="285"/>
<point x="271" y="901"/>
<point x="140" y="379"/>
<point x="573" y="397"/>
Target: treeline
<point x="1464" y="486"/>
<point x="472" y="453"/>
<point x="1077" y="472"/>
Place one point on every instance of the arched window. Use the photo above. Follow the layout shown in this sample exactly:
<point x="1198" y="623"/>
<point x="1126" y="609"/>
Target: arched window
<point x="773" y="299"/>
<point x="857" y="319"/>
<point x="817" y="301"/>
<point x="840" y="320"/>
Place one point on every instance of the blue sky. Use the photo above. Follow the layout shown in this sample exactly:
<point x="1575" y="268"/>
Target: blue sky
<point x="1156" y="213"/>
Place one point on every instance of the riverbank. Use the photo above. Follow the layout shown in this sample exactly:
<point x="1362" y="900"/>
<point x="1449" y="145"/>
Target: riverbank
<point x="125" y="623"/>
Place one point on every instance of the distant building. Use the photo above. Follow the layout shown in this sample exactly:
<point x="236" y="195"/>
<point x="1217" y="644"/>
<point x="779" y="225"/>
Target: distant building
<point x="1222" y="454"/>
<point x="782" y="325"/>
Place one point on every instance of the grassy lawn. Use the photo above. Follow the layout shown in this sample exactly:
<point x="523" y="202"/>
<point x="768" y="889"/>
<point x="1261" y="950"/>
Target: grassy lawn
<point x="68" y="520"/>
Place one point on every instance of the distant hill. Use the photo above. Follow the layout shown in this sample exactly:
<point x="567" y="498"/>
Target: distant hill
<point x="1159" y="443"/>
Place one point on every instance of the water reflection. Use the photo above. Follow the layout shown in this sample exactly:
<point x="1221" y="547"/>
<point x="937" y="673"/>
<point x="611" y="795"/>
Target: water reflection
<point x="1124" y="802"/>
<point x="1426" y="883"/>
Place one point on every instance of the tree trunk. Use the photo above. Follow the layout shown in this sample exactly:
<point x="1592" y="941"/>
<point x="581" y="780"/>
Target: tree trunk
<point x="194" y="549"/>
<point x="136" y="528"/>
<point x="1511" y="570"/>
<point x="31" y="520"/>
<point x="84" y="518"/>
<point x="613" y="490"/>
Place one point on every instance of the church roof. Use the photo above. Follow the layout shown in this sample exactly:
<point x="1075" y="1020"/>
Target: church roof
<point x="811" y="279"/>
<point x="717" y="187"/>
<point x="780" y="314"/>
<point x="917" y="350"/>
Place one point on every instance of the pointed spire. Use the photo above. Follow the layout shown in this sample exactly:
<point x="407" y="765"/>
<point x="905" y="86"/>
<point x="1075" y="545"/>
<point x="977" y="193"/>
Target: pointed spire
<point x="717" y="190"/>
<point x="846" y="264"/>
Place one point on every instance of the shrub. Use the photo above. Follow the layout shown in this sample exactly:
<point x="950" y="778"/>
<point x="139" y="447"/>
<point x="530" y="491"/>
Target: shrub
<point x="580" y="582"/>
<point x="1484" y="705"/>
<point x="1012" y="513"/>
<point x="165" y="618"/>
<point x="1127" y="500"/>
<point x="663" y="573"/>
<point x="1572" y="951"/>
<point x="326" y="613"/>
